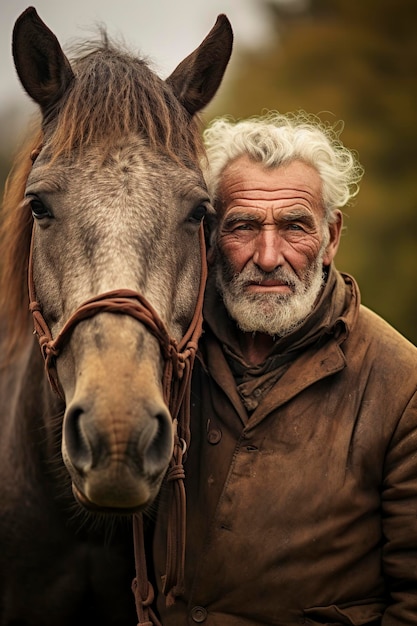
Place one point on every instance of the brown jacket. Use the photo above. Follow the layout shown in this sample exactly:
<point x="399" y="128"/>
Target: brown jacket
<point x="302" y="480"/>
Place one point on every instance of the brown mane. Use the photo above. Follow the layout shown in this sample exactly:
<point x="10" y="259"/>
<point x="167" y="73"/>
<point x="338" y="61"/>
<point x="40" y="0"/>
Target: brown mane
<point x="114" y="94"/>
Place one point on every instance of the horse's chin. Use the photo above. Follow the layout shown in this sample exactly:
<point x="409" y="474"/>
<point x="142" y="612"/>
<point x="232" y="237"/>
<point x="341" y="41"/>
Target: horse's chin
<point x="91" y="507"/>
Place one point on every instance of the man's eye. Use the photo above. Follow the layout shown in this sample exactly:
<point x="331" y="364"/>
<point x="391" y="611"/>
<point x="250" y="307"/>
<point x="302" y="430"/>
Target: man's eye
<point x="295" y="227"/>
<point x="243" y="226"/>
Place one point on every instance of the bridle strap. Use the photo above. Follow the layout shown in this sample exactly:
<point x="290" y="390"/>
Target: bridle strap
<point x="123" y="301"/>
<point x="176" y="382"/>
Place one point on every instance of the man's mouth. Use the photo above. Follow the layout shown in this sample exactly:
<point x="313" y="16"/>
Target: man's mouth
<point x="268" y="286"/>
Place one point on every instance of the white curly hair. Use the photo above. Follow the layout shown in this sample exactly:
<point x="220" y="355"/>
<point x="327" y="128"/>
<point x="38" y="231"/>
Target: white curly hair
<point x="275" y="139"/>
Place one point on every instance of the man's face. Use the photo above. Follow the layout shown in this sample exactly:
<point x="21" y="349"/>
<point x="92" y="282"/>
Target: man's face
<point x="272" y="244"/>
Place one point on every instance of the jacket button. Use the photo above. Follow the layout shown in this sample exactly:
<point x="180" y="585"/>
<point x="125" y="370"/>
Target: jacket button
<point x="214" y="435"/>
<point x="199" y="614"/>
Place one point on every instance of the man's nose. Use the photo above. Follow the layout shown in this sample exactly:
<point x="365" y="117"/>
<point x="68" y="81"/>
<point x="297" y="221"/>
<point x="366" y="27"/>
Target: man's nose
<point x="268" y="254"/>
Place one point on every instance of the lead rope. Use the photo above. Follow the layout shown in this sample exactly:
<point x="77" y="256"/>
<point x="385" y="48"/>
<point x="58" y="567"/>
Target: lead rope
<point x="179" y="360"/>
<point x="141" y="587"/>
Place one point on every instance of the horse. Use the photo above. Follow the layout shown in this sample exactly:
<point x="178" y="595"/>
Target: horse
<point x="102" y="264"/>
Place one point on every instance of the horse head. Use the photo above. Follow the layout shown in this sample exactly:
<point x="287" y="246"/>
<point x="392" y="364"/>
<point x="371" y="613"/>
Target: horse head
<point x="117" y="198"/>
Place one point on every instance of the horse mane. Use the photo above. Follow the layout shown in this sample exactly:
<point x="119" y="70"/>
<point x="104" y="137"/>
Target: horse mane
<point x="113" y="95"/>
<point x="116" y="93"/>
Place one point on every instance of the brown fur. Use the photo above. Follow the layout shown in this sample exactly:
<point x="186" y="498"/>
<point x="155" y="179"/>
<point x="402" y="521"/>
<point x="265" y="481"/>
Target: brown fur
<point x="114" y="94"/>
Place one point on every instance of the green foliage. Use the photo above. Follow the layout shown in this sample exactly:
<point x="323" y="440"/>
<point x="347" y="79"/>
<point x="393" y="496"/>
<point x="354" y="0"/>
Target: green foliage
<point x="354" y="61"/>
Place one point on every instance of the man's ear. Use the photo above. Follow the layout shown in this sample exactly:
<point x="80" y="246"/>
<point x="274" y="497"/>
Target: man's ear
<point x="335" y="231"/>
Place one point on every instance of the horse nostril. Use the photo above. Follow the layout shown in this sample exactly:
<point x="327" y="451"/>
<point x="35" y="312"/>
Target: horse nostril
<point x="148" y="447"/>
<point x="159" y="448"/>
<point x="76" y="440"/>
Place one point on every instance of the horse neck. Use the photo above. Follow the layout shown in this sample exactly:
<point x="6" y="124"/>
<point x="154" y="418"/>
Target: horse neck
<point x="28" y="410"/>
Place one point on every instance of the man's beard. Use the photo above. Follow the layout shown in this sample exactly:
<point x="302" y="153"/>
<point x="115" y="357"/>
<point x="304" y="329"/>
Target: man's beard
<point x="276" y="314"/>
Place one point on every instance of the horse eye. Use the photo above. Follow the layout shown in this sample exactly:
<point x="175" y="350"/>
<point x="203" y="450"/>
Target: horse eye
<point x="198" y="213"/>
<point x="39" y="210"/>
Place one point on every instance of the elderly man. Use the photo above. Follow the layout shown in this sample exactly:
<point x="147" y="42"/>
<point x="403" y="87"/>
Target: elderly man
<point x="302" y="472"/>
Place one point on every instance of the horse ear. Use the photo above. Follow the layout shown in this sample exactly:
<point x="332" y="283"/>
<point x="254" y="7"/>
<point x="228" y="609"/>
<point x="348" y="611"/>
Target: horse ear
<point x="42" y="67"/>
<point x="198" y="76"/>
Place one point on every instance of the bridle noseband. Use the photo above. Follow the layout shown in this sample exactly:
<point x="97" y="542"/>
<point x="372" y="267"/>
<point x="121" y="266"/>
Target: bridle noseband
<point x="176" y="382"/>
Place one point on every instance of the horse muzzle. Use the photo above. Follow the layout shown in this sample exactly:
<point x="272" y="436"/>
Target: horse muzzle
<point x="117" y="441"/>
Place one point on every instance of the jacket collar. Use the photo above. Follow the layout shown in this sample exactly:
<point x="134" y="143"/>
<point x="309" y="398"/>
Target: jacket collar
<point x="310" y="353"/>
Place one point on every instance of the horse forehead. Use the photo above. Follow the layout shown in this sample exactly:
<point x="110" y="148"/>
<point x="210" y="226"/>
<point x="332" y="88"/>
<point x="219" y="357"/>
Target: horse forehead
<point x="120" y="175"/>
<point x="129" y="198"/>
<point x="125" y="156"/>
<point x="127" y="168"/>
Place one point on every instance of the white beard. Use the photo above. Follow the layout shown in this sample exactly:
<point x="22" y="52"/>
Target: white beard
<point x="271" y="313"/>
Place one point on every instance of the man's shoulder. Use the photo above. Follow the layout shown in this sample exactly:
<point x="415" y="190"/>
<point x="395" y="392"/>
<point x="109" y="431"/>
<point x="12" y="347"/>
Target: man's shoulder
<point x="380" y="364"/>
<point x="372" y="334"/>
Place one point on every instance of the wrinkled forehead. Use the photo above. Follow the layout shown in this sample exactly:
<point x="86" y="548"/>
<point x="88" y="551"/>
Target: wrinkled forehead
<point x="248" y="181"/>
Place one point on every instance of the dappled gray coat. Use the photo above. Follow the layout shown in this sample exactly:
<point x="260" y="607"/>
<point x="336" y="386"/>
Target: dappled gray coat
<point x="302" y="477"/>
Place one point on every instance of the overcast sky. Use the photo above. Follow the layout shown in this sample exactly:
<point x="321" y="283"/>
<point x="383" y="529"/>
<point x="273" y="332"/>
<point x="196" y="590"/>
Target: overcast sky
<point x="165" y="31"/>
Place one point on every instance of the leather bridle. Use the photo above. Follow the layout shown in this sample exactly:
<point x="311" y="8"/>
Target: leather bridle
<point x="176" y="382"/>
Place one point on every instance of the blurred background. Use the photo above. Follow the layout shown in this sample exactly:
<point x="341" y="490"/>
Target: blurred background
<point x="343" y="60"/>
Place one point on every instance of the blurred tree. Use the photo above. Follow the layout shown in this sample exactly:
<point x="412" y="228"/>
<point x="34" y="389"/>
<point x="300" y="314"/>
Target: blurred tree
<point x="357" y="60"/>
